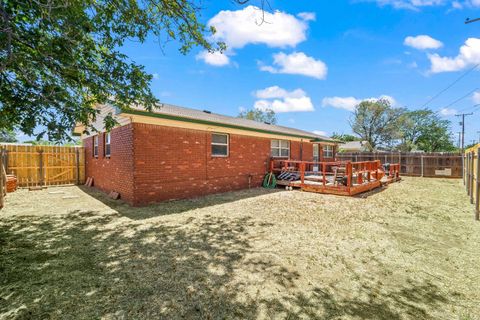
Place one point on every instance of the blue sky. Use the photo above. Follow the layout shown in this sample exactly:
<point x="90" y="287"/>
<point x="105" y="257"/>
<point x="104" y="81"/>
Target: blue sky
<point x="313" y="60"/>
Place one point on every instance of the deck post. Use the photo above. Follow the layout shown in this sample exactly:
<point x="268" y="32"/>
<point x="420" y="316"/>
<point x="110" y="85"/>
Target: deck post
<point x="302" y="173"/>
<point x="324" y="168"/>
<point x="349" y="175"/>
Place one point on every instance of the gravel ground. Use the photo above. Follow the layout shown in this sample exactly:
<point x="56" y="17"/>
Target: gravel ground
<point x="410" y="251"/>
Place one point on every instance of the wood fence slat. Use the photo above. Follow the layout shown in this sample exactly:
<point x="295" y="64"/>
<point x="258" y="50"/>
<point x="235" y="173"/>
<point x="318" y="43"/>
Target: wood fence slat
<point x="44" y="165"/>
<point x="414" y="164"/>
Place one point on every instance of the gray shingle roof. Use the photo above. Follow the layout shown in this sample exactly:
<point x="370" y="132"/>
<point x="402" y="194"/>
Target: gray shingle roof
<point x="187" y="113"/>
<point x="355" y="145"/>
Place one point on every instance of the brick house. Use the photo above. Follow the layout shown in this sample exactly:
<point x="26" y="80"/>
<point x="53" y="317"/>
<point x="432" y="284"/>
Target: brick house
<point x="175" y="152"/>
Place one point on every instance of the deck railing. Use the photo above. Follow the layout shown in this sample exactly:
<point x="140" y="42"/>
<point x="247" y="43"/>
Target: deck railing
<point x="346" y="177"/>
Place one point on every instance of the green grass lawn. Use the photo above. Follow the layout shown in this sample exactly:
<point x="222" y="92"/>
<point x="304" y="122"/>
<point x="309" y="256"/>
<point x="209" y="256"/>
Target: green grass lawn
<point x="411" y="251"/>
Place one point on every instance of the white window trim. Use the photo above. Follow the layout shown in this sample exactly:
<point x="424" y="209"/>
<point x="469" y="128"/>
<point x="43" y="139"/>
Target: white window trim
<point x="220" y="144"/>
<point x="95" y="146"/>
<point x="280" y="148"/>
<point x="328" y="151"/>
<point x="107" y="134"/>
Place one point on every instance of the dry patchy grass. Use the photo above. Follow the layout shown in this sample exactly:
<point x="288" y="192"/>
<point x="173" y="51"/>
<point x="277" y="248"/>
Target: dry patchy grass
<point x="411" y="251"/>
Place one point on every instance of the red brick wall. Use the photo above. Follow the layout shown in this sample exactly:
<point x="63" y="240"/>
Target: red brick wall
<point x="114" y="173"/>
<point x="175" y="163"/>
<point x="152" y="163"/>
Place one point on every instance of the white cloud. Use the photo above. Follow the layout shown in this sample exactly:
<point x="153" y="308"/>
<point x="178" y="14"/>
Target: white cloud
<point x="447" y="112"/>
<point x="297" y="63"/>
<point x="476" y="97"/>
<point x="349" y="103"/>
<point x="320" y="133"/>
<point x="271" y="93"/>
<point x="216" y="58"/>
<point x="346" y="103"/>
<point x="307" y="16"/>
<point x="466" y="3"/>
<point x="417" y="4"/>
<point x="251" y="25"/>
<point x="280" y="100"/>
<point x="469" y="54"/>
<point x="422" y="42"/>
<point x="410" y="4"/>
<point x="457" y="5"/>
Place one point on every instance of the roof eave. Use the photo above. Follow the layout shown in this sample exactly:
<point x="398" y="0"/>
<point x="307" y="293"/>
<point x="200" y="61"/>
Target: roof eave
<point x="185" y="119"/>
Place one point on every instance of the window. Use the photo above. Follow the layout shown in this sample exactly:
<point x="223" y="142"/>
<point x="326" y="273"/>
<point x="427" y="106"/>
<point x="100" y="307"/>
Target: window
<point x="95" y="146"/>
<point x="107" y="145"/>
<point x="328" y="151"/>
<point x="219" y="145"/>
<point x="280" y="148"/>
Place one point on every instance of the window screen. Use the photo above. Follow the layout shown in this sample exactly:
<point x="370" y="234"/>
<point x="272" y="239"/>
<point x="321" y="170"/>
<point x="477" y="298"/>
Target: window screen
<point x="219" y="145"/>
<point x="107" y="144"/>
<point x="95" y="146"/>
<point x="280" y="148"/>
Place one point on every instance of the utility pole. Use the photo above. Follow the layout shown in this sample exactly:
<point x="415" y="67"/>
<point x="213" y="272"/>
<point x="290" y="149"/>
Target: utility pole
<point x="459" y="139"/>
<point x="462" y="123"/>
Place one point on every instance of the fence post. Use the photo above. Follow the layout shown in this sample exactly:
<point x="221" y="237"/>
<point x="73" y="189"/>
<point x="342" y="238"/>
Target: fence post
<point x="40" y="167"/>
<point x="421" y="164"/>
<point x="472" y="176"/>
<point x="477" y="179"/>
<point x="467" y="172"/>
<point x="400" y="161"/>
<point x="4" y="158"/>
<point x="463" y="168"/>
<point x="2" y="182"/>
<point x="77" y="163"/>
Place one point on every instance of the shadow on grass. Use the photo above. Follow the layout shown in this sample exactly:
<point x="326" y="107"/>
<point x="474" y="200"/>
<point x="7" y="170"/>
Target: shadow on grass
<point x="176" y="206"/>
<point x="89" y="265"/>
<point x="80" y="267"/>
<point x="408" y="302"/>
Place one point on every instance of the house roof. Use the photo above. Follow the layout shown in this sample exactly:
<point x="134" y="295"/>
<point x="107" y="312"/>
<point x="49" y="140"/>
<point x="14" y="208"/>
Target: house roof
<point x="186" y="114"/>
<point x="354" y="145"/>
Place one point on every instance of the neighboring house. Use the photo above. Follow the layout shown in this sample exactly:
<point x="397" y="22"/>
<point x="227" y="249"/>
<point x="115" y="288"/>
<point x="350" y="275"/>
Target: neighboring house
<point x="175" y="152"/>
<point x="355" y="146"/>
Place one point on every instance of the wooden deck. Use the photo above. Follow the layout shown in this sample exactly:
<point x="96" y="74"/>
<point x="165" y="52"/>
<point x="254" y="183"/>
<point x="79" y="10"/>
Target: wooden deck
<point x="339" y="178"/>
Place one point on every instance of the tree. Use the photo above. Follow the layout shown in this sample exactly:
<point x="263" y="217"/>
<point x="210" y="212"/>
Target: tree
<point x="424" y="130"/>
<point x="7" y="136"/>
<point x="377" y="122"/>
<point x="345" y="137"/>
<point x="59" y="58"/>
<point x="267" y="116"/>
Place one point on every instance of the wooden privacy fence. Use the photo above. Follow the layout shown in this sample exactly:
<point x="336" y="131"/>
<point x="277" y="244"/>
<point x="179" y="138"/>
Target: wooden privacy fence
<point x="44" y="165"/>
<point x="414" y="164"/>
<point x="471" y="177"/>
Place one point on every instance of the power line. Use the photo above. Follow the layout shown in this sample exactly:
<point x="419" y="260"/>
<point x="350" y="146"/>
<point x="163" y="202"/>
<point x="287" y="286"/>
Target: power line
<point x="470" y="107"/>
<point x="461" y="98"/>
<point x="451" y="85"/>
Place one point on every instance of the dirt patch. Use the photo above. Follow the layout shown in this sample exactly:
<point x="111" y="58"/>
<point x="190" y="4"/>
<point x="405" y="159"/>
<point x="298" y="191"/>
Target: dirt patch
<point x="408" y="252"/>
